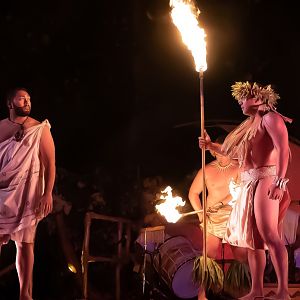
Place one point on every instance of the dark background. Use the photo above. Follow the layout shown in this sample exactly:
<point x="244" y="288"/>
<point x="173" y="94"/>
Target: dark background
<point x="114" y="78"/>
<point x="120" y="91"/>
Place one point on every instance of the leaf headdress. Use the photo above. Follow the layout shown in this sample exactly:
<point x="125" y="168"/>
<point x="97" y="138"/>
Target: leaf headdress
<point x="243" y="90"/>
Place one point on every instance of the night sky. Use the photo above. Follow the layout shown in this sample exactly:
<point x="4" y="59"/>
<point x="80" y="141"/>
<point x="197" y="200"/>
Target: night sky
<point x="117" y="84"/>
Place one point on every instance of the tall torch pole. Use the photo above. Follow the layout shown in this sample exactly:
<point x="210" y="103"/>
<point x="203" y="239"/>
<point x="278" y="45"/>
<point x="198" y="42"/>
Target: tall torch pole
<point x="184" y="14"/>
<point x="204" y="206"/>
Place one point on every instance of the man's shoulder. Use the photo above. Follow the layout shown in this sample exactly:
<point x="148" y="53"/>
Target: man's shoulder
<point x="271" y="114"/>
<point x="33" y="122"/>
<point x="211" y="165"/>
<point x="272" y="118"/>
<point x="3" y="123"/>
<point x="211" y="168"/>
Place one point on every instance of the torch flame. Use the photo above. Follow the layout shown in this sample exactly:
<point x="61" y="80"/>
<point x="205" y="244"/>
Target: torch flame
<point x="168" y="207"/>
<point x="184" y="16"/>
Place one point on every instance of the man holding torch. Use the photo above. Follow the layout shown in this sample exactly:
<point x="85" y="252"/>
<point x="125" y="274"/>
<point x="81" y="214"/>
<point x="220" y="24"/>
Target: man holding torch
<point x="221" y="174"/>
<point x="261" y="146"/>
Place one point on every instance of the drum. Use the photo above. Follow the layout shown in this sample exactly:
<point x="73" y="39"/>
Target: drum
<point x="174" y="263"/>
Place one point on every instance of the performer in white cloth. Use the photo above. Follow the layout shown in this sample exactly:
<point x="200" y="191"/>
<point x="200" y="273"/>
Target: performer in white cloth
<point x="261" y="145"/>
<point x="27" y="175"/>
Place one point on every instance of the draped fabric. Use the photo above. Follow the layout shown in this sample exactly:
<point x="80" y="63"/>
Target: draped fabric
<point x="21" y="180"/>
<point x="241" y="227"/>
<point x="217" y="217"/>
<point x="236" y="143"/>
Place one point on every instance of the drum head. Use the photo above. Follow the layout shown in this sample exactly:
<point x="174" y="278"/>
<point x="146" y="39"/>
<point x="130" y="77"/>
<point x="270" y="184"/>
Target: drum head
<point x="182" y="284"/>
<point x="174" y="263"/>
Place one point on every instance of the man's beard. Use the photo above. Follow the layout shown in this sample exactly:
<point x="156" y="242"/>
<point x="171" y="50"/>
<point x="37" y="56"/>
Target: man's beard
<point x="20" y="111"/>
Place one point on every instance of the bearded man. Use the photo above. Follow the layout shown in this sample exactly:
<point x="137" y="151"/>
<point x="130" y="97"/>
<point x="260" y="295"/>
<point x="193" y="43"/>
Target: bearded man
<point x="27" y="175"/>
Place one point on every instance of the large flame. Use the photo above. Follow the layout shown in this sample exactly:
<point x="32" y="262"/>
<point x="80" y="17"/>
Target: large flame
<point x="168" y="208"/>
<point x="184" y="15"/>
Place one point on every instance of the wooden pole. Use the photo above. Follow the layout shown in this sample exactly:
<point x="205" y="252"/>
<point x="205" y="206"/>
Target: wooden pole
<point x="202" y="126"/>
<point x="85" y="255"/>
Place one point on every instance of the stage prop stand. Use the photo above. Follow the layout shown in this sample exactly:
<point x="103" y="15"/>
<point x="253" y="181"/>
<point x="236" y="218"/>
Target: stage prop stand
<point x="144" y="261"/>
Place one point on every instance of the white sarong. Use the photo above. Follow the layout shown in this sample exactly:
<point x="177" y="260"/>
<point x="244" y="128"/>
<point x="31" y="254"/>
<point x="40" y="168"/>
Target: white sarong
<point x="242" y="230"/>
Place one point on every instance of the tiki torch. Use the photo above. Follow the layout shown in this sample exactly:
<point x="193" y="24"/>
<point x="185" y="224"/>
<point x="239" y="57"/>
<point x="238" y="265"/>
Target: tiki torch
<point x="185" y="14"/>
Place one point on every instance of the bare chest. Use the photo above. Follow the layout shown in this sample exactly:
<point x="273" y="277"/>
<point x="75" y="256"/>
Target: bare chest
<point x="260" y="149"/>
<point x="8" y="130"/>
<point x="219" y="179"/>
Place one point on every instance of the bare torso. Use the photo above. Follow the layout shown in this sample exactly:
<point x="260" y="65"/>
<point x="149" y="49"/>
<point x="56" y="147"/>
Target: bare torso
<point x="217" y="183"/>
<point x="261" y="151"/>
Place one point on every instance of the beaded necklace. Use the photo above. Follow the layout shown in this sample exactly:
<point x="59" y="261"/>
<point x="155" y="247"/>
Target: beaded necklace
<point x="222" y="168"/>
<point x="20" y="133"/>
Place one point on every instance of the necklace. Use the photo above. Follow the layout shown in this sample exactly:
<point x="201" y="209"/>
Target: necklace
<point x="222" y="168"/>
<point x="20" y="133"/>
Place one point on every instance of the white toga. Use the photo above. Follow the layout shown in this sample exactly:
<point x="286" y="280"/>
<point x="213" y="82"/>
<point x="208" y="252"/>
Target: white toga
<point x="21" y="180"/>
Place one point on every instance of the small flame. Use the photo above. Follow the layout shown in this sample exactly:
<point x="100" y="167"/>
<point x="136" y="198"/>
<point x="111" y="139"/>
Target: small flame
<point x="72" y="268"/>
<point x="184" y="15"/>
<point x="168" y="207"/>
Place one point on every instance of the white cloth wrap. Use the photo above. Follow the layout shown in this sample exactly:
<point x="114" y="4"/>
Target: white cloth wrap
<point x="21" y="180"/>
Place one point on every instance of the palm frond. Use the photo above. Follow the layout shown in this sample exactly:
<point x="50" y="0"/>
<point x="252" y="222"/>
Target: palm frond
<point x="209" y="278"/>
<point x="237" y="277"/>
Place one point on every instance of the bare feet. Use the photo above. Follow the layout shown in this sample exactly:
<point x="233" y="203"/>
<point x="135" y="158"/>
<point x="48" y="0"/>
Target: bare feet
<point x="281" y="296"/>
<point x="277" y="298"/>
<point x="252" y="296"/>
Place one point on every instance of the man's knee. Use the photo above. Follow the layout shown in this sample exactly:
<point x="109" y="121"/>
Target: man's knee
<point x="24" y="248"/>
<point x="214" y="248"/>
<point x="240" y="254"/>
<point x="269" y="233"/>
<point x="273" y="241"/>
